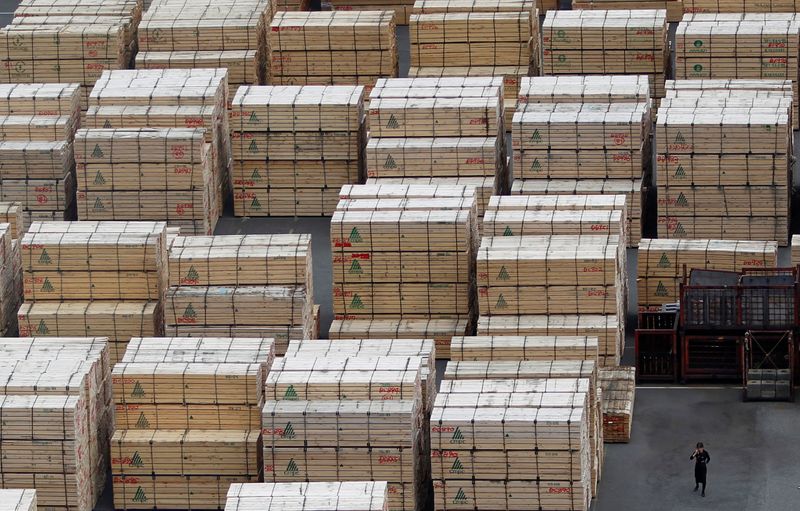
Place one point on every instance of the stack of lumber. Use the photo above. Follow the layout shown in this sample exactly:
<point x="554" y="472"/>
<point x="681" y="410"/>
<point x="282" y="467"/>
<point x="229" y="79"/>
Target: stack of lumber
<point x="402" y="8"/>
<point x="740" y="6"/>
<point x="438" y="53"/>
<point x="738" y="46"/>
<point x="69" y="41"/>
<point x="607" y="42"/>
<point x="37" y="130"/>
<point x="724" y="170"/>
<point x="581" y="140"/>
<point x="524" y="347"/>
<point x="169" y="98"/>
<point x="57" y="417"/>
<point x="619" y="176"/>
<point x="178" y="400"/>
<point x="662" y="264"/>
<point x="252" y="285"/>
<point x="292" y="5"/>
<point x="294" y="147"/>
<point x="343" y="348"/>
<point x="146" y="174"/>
<point x="735" y="88"/>
<point x="332" y="48"/>
<point x="674" y="8"/>
<point x="347" y="496"/>
<point x="18" y="500"/>
<point x="10" y="280"/>
<point x="93" y="279"/>
<point x="795" y="256"/>
<point x="607" y="329"/>
<point x="11" y="213"/>
<point x="552" y="276"/>
<point x="207" y="33"/>
<point x="349" y="418"/>
<point x="404" y="264"/>
<point x="619" y="389"/>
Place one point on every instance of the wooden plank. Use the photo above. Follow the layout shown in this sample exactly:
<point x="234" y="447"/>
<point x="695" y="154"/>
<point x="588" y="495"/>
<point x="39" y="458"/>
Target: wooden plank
<point x="524" y="348"/>
<point x="619" y="387"/>
<point x="440" y="330"/>
<point x="317" y="496"/>
<point x="173" y="492"/>
<point x="18" y="500"/>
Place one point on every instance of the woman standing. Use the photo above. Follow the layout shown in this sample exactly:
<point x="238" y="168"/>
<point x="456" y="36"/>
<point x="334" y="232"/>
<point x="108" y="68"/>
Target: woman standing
<point x="701" y="460"/>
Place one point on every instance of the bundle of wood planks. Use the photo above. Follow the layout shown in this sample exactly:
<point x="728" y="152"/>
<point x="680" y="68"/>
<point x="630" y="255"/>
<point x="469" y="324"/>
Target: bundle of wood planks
<point x="37" y="130"/>
<point x="146" y="174"/>
<point x="250" y="285"/>
<point x="404" y="260"/>
<point x="10" y="280"/>
<point x="170" y="98"/>
<point x="333" y="496"/>
<point x="597" y="42"/>
<point x="57" y="418"/>
<point x="540" y="384"/>
<point x="402" y="8"/>
<point x="524" y="347"/>
<point x="332" y="48"/>
<point x="212" y="34"/>
<point x="18" y="500"/>
<point x="69" y="41"/>
<point x="674" y="8"/>
<point x="93" y="278"/>
<point x="665" y="263"/>
<point x="795" y="255"/>
<point x="318" y="410"/>
<point x="294" y="147"/>
<point x="177" y="400"/>
<point x="619" y="390"/>
<point x="724" y="169"/>
<point x="722" y="46"/>
<point x="739" y="6"/>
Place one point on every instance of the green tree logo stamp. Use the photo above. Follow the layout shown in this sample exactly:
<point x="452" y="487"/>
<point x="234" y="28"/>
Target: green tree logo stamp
<point x="255" y="204"/>
<point x="136" y="460"/>
<point x="288" y="432"/>
<point x="355" y="236"/>
<point x="508" y="231"/>
<point x="663" y="262"/>
<point x="458" y="436"/>
<point x="536" y="137"/>
<point x="461" y="497"/>
<point x="501" y="302"/>
<point x="682" y="201"/>
<point x="42" y="328"/>
<point x="47" y="286"/>
<point x="290" y="394"/>
<point x="98" y="205"/>
<point x="44" y="258"/>
<point x="139" y="496"/>
<point x="356" y="302"/>
<point x="392" y="122"/>
<point x="661" y="289"/>
<point x="97" y="152"/>
<point x="99" y="179"/>
<point x="142" y="422"/>
<point x="355" y="268"/>
<point x="680" y="173"/>
<point x="138" y="390"/>
<point x="291" y="468"/>
<point x="389" y="163"/>
<point x="503" y="273"/>
<point x="457" y="468"/>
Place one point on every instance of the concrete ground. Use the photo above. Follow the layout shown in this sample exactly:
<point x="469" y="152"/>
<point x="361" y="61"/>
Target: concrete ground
<point x="755" y="451"/>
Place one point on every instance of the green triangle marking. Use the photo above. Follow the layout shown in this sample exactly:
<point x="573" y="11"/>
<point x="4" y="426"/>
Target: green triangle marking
<point x="536" y="166"/>
<point x="42" y="328"/>
<point x="291" y="468"/>
<point x="457" y="468"/>
<point x="290" y="394"/>
<point x="355" y="268"/>
<point x="679" y="230"/>
<point x="392" y="122"/>
<point x="98" y="152"/>
<point x="136" y="460"/>
<point x="45" y="257"/>
<point x="189" y="312"/>
<point x="142" y="423"/>
<point x="253" y="147"/>
<point x="458" y="436"/>
<point x="503" y="273"/>
<point x="255" y="204"/>
<point x="47" y="286"/>
<point x="680" y="172"/>
<point x="192" y="274"/>
<point x="664" y="261"/>
<point x="98" y="205"/>
<point x="681" y="200"/>
<point x="501" y="302"/>
<point x="139" y="496"/>
<point x="661" y="289"/>
<point x="356" y="302"/>
<point x="389" y="163"/>
<point x="99" y="179"/>
<point x="138" y="390"/>
<point x="355" y="236"/>
<point x="461" y="497"/>
<point x="508" y="231"/>
<point x="536" y="136"/>
<point x="107" y="125"/>
<point x="288" y="431"/>
<point x="256" y="175"/>
<point x="253" y="117"/>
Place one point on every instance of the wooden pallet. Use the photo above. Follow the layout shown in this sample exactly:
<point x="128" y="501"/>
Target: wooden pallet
<point x="619" y="388"/>
<point x="662" y="263"/>
<point x="350" y="496"/>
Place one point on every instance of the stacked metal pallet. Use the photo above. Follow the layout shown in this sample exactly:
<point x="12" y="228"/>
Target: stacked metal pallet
<point x="347" y="496"/>
<point x="177" y="401"/>
<point x="295" y="147"/>
<point x="724" y="168"/>
<point x="332" y="48"/>
<point x="662" y="264"/>
<point x="69" y="41"/>
<point x="57" y="417"/>
<point x="412" y="260"/>
<point x="241" y="286"/>
<point x="94" y="278"/>
<point x="37" y="129"/>
<point x="627" y="93"/>
<point x="607" y="42"/>
<point x="348" y="418"/>
<point x="146" y="174"/>
<point x="18" y="500"/>
<point x="441" y="53"/>
<point x="738" y="46"/>
<point x="169" y="98"/>
<point x="210" y="33"/>
<point x="619" y="391"/>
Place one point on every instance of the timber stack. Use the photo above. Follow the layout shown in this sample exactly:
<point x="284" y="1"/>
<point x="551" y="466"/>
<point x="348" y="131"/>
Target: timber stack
<point x="334" y="496"/>
<point x="177" y="400"/>
<point x="724" y="170"/>
<point x="740" y="6"/>
<point x="94" y="278"/>
<point x="438" y="131"/>
<point x="438" y="52"/>
<point x="250" y="285"/>
<point x="292" y="5"/>
<point x="350" y="418"/>
<point x="18" y="500"/>
<point x="294" y="147"/>
<point x="616" y="93"/>
<point x="674" y="8"/>
<point x="619" y="391"/>
<point x="745" y="46"/>
<point x="146" y="174"/>
<point x="524" y="347"/>
<point x="411" y="261"/>
<point x="207" y="34"/>
<point x="795" y="249"/>
<point x="67" y="380"/>
<point x="402" y="8"/>
<point x="43" y="46"/>
<point x="608" y="42"/>
<point x="37" y="129"/>
<point x="169" y="98"/>
<point x="332" y="48"/>
<point x="10" y="281"/>
<point x="664" y="264"/>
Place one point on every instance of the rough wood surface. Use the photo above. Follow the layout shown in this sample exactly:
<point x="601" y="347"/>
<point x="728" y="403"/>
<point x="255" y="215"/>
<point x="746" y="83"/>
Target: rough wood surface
<point x="317" y="496"/>
<point x="440" y="330"/>
<point x="619" y="388"/>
